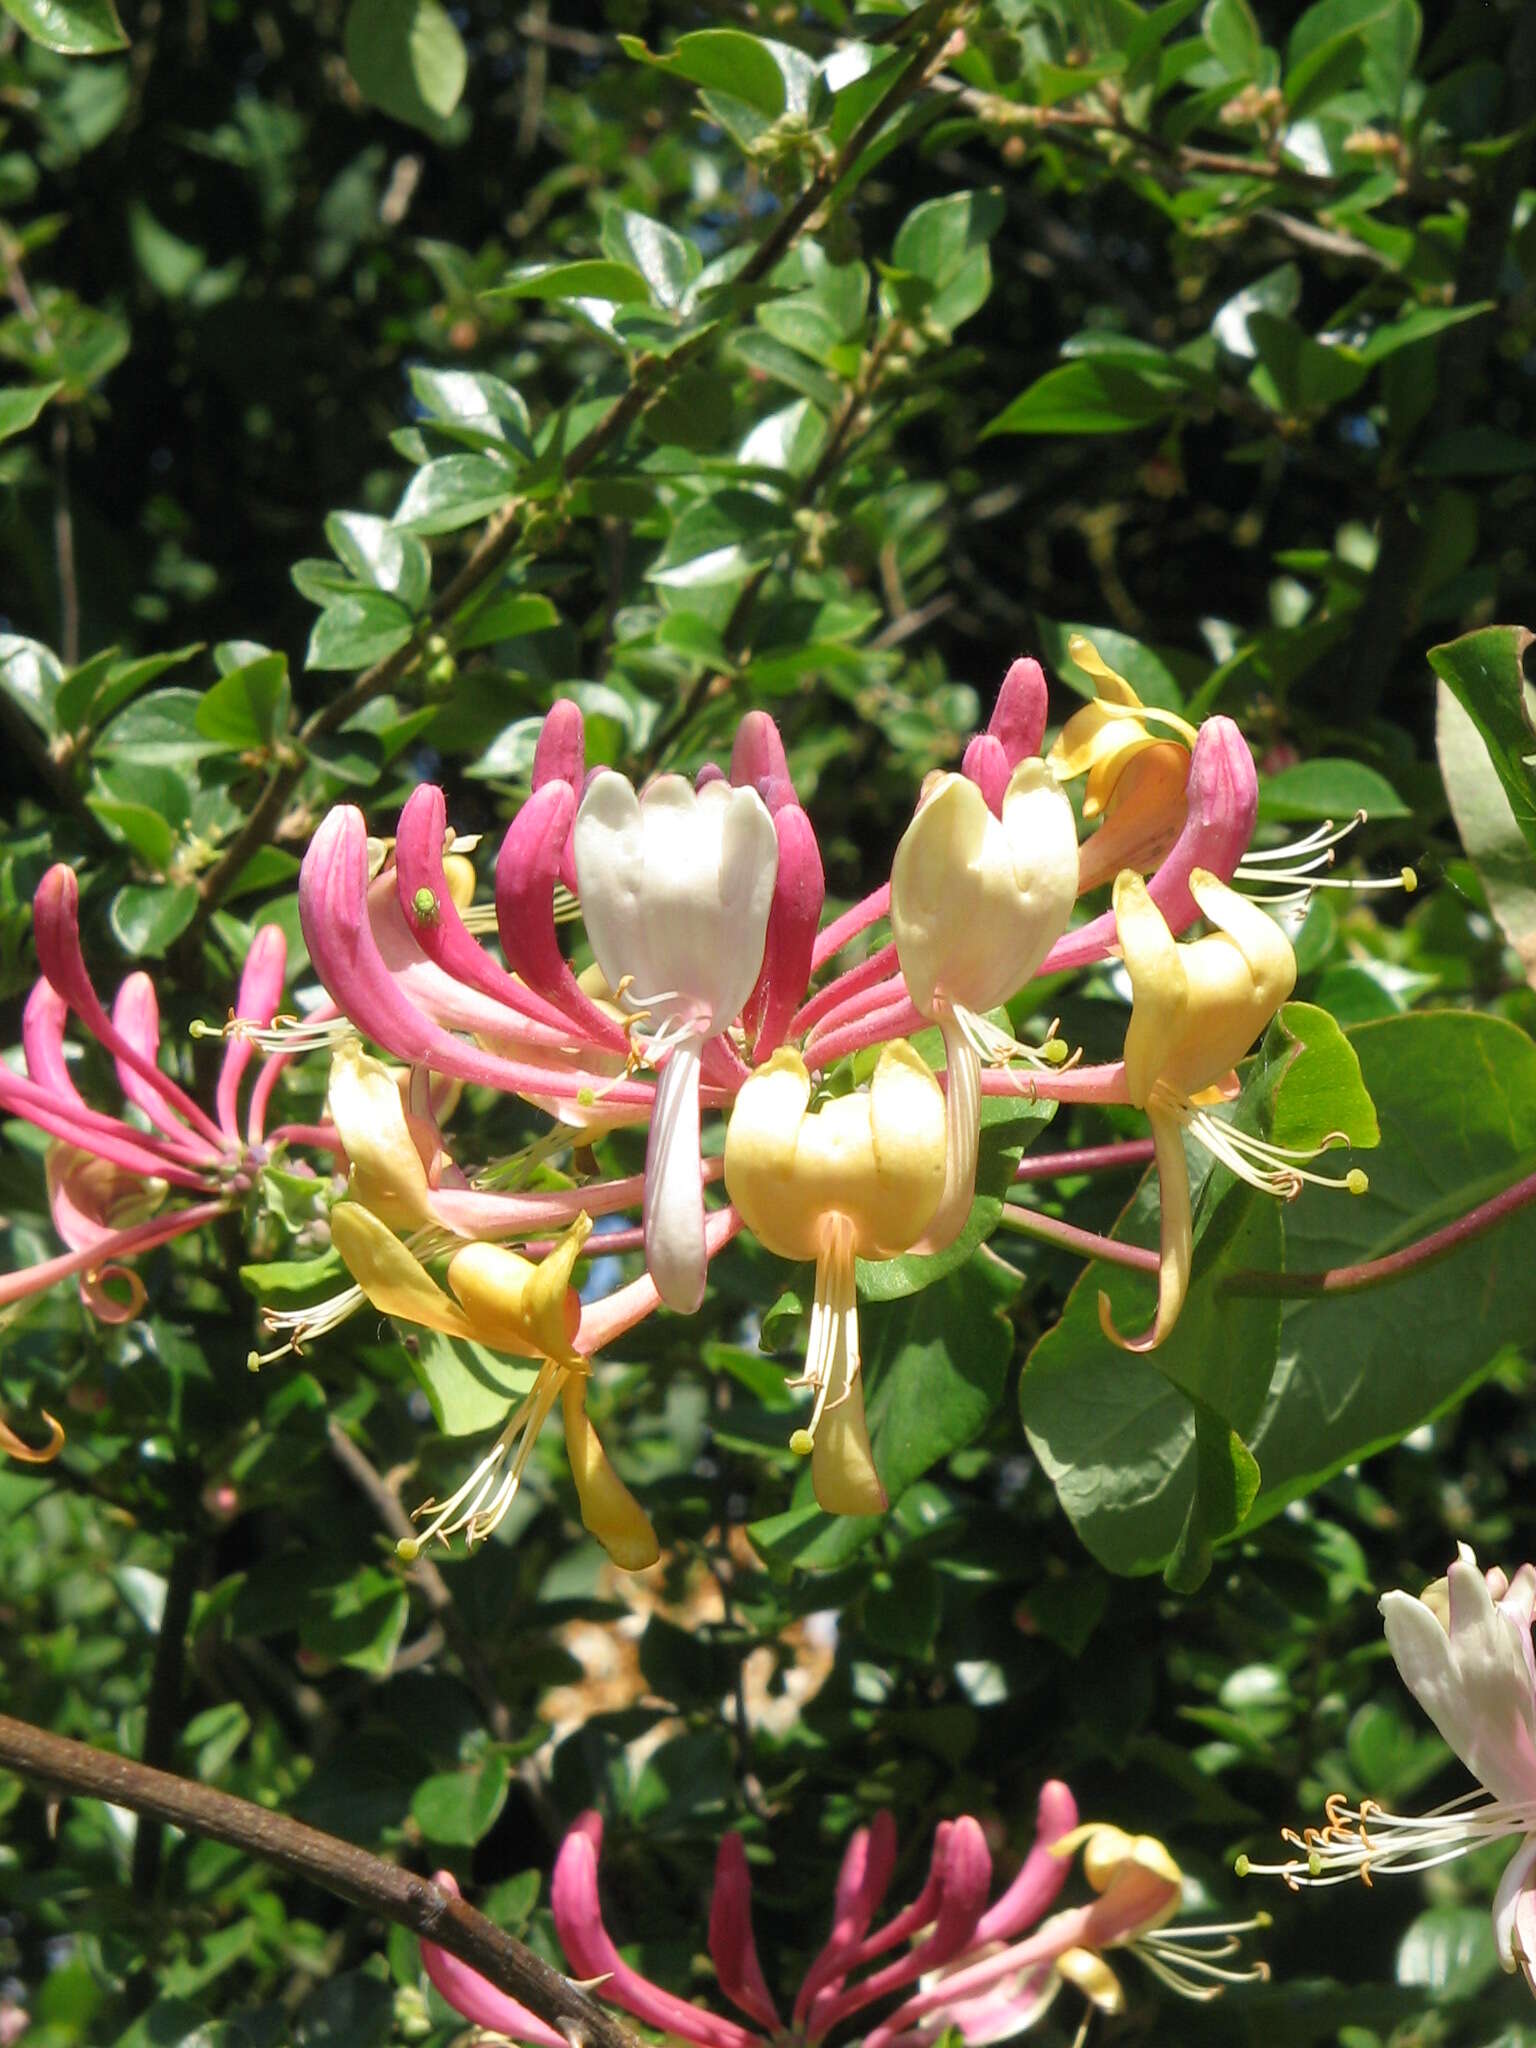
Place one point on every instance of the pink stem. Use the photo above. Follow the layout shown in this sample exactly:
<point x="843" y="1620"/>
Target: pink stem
<point x="897" y="1020"/>
<point x="1142" y="1257"/>
<point x="833" y="937"/>
<point x="603" y="1321"/>
<point x="876" y="968"/>
<point x="1073" y="1084"/>
<point x="1091" y="1159"/>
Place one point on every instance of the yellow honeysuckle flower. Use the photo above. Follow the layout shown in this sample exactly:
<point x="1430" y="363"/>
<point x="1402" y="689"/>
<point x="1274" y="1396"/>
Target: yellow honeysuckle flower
<point x="977" y="901"/>
<point x="388" y="1152"/>
<point x="1107" y="736"/>
<point x="860" y="1177"/>
<point x="1197" y="1008"/>
<point x="512" y="1304"/>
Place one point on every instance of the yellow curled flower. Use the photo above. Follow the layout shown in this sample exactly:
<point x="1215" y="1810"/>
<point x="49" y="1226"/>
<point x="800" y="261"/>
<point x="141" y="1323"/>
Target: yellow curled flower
<point x="977" y="901"/>
<point x="391" y="1154"/>
<point x="860" y="1177"/>
<point x="1108" y="734"/>
<point x="507" y="1303"/>
<point x="1196" y="1010"/>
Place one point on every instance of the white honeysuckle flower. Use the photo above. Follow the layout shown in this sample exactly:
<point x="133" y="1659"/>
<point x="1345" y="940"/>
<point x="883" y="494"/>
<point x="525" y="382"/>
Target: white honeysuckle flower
<point x="676" y="885"/>
<point x="1463" y="1649"/>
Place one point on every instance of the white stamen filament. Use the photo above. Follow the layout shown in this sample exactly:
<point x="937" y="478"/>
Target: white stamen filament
<point x="480" y="1505"/>
<point x="1360" y="1841"/>
<point x="1274" y="1169"/>
<point x="1301" y="862"/>
<point x="1189" y="1960"/>
<point x="832" y="1347"/>
<point x="995" y="1047"/>
<point x="283" y="1034"/>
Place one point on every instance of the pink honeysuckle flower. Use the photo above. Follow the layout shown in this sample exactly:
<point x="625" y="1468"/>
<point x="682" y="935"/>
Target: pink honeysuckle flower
<point x="1463" y="1649"/>
<point x="972" y="1970"/>
<point x="387" y="988"/>
<point x="799" y="890"/>
<point x="676" y="889"/>
<point x="108" y="1177"/>
<point x="1013" y="732"/>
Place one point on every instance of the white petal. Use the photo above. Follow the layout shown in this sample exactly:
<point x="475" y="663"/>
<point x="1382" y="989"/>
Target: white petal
<point x="674" y="1184"/>
<point x="607" y="841"/>
<point x="1472" y="1683"/>
<point x="1506" y="1901"/>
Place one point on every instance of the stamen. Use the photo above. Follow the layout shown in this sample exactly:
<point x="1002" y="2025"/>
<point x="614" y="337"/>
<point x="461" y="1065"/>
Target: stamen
<point x="995" y="1047"/>
<point x="833" y="1333"/>
<point x="1364" y="1841"/>
<point x="283" y="1034"/>
<point x="300" y="1326"/>
<point x="1300" y="862"/>
<point x="1274" y="1169"/>
<point x="480" y="1505"/>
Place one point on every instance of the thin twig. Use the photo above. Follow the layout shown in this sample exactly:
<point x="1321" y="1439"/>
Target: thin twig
<point x="325" y="1860"/>
<point x="1425" y="1251"/>
<point x="1089" y="1159"/>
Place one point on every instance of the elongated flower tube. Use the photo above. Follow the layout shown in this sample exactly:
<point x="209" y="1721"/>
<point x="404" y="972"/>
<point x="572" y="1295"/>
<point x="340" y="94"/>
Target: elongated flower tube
<point x="1013" y="732"/>
<point x="509" y="1304"/>
<point x="108" y="1178"/>
<point x="977" y="902"/>
<point x="676" y="889"/>
<point x="1196" y="1010"/>
<point x="799" y="887"/>
<point x="860" y="1177"/>
<point x="1463" y="1648"/>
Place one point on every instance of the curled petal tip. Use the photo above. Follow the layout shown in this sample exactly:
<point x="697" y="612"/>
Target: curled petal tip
<point x="561" y="752"/>
<point x="29" y="1454"/>
<point x="758" y="756"/>
<point x="1018" y="717"/>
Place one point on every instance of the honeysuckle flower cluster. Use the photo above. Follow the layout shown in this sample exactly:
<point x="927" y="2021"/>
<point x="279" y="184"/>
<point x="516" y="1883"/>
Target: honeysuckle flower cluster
<point x="713" y="990"/>
<point x="948" y="1960"/>
<point x="1463" y="1648"/>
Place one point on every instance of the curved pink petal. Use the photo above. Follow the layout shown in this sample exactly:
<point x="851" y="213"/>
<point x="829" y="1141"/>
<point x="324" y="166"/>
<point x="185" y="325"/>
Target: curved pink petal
<point x="527" y="868"/>
<point x="799" y="891"/>
<point x="256" y="1001"/>
<point x="56" y="930"/>
<point x="1223" y="798"/>
<point x="590" y="1951"/>
<point x="333" y="910"/>
<point x="1018" y="716"/>
<point x="561" y="756"/>
<point x="876" y="967"/>
<point x="957" y="1988"/>
<point x="986" y="764"/>
<point x="108" y="1137"/>
<point x="136" y="1014"/>
<point x="963" y="1869"/>
<point x="857" y="918"/>
<point x="732" y="1948"/>
<point x="42" y="1044"/>
<point x="476" y="2000"/>
<point x="604" y="1321"/>
<point x="1042" y="1874"/>
<point x="123" y="1244"/>
<point x="442" y="934"/>
<point x="862" y="1882"/>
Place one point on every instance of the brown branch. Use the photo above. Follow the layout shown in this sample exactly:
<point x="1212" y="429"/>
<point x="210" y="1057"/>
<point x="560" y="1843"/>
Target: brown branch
<point x="325" y="1860"/>
<point x="1425" y="1251"/>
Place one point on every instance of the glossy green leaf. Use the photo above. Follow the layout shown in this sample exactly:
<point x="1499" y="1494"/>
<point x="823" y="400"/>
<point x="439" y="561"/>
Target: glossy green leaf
<point x="455" y="491"/>
<point x="359" y="1622"/>
<point x="458" y="1807"/>
<point x="407" y="58"/>
<point x="146" y="918"/>
<point x="470" y="1388"/>
<point x="357" y="631"/>
<point x="249" y="706"/>
<point x="74" y="28"/>
<point x="1088" y="397"/>
<point x="725" y="60"/>
<point x="1293" y="372"/>
<point x="1324" y="788"/>
<point x="1505" y="863"/>
<point x="378" y="552"/>
<point x="621" y="284"/>
<point x="667" y="261"/>
<point x="1484" y="672"/>
<point x="21" y="405"/>
<point x="507" y="618"/>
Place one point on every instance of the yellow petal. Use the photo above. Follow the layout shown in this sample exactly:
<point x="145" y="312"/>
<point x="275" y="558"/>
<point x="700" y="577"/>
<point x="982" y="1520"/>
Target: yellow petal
<point x="843" y="1473"/>
<point x="1267" y="951"/>
<point x="1176" y="1229"/>
<point x="1159" y="985"/>
<point x="386" y="1174"/>
<point x="393" y="1279"/>
<point x="1108" y="683"/>
<point x="516" y="1305"/>
<point x="459" y="874"/>
<point x="1092" y="1976"/>
<point x="609" y="1511"/>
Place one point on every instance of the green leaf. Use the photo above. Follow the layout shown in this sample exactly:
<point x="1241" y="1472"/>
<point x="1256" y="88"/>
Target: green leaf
<point x="20" y="406"/>
<point x="507" y="618"/>
<point x="455" y="491"/>
<point x="147" y="919"/>
<point x="470" y="1388"/>
<point x="1233" y="36"/>
<point x="74" y="28"/>
<point x="1226" y="1482"/>
<point x="407" y="58"/>
<point x="1325" y="788"/>
<point x="249" y="706"/>
<point x="379" y="553"/>
<point x="474" y="400"/>
<point x="937" y="1366"/>
<point x="1306" y="1079"/>
<point x="717" y="540"/>
<point x="666" y="261"/>
<point x="357" y="631"/>
<point x="1117" y="1433"/>
<point x="1484" y="672"/>
<point x="1277" y="292"/>
<point x="30" y="675"/>
<point x="1415" y="325"/>
<point x="1088" y="397"/>
<point x="459" y="1807"/>
<point x="171" y="265"/>
<point x="620" y="284"/>
<point x="725" y="60"/>
<point x="1294" y="373"/>
<point x="1449" y="1952"/>
<point x="1455" y="1095"/>
<point x="92" y="692"/>
<point x="1505" y="864"/>
<point x="359" y="1622"/>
